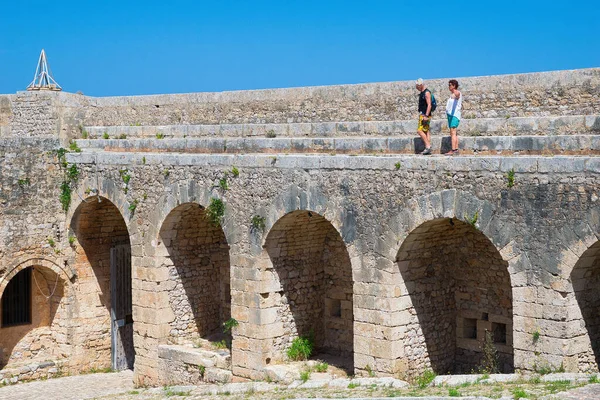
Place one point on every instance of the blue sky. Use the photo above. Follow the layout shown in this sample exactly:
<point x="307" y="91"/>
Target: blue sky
<point x="125" y="47"/>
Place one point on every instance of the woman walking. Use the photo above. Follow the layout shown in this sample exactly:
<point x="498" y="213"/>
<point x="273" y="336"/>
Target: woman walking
<point x="453" y="107"/>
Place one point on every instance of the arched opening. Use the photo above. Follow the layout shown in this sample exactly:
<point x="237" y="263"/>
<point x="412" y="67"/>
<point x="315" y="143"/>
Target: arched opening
<point x="312" y="264"/>
<point x="586" y="284"/>
<point x="460" y="296"/>
<point x="197" y="257"/>
<point x="104" y="303"/>
<point x="33" y="315"/>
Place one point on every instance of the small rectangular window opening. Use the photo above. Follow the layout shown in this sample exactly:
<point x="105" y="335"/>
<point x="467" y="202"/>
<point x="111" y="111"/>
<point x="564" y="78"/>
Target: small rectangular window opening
<point x="499" y="332"/>
<point x="335" y="308"/>
<point x="470" y="328"/>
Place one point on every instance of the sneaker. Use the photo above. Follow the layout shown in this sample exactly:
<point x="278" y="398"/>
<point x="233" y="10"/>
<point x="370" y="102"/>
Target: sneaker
<point x="427" y="151"/>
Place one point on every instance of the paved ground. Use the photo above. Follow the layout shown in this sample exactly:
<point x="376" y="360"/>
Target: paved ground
<point x="71" y="387"/>
<point x="589" y="392"/>
<point x="119" y="385"/>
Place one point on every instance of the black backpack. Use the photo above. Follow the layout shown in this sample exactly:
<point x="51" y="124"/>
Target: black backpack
<point x="433" y="101"/>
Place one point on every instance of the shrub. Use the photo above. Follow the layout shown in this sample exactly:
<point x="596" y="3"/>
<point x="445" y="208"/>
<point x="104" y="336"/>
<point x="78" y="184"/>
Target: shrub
<point x="301" y="348"/>
<point x="215" y="211"/>
<point x="258" y="222"/>
<point x="321" y="367"/>
<point x="229" y="325"/>
<point x="511" y="177"/>
<point x="304" y="376"/>
<point x="489" y="363"/>
<point x="74" y="147"/>
<point x="426" y="378"/>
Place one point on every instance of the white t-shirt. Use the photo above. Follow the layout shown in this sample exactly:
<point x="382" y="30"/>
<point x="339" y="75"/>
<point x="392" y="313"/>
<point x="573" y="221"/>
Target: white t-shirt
<point x="456" y="104"/>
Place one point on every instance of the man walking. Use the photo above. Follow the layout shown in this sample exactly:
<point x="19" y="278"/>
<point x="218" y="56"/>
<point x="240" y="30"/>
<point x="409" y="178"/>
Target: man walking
<point x="426" y="107"/>
<point x="453" y="107"/>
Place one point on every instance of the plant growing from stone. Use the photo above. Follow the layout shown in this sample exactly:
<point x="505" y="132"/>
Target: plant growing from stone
<point x="473" y="220"/>
<point x="536" y="336"/>
<point x="74" y="147"/>
<point x="425" y="379"/>
<point x="489" y="362"/>
<point x="223" y="183"/>
<point x="51" y="242"/>
<point x="398" y="165"/>
<point x="301" y="348"/>
<point x="270" y="133"/>
<point x="125" y="176"/>
<point x="23" y="182"/>
<point x="105" y="136"/>
<point x="304" y="376"/>
<point x="215" y="211"/>
<point x="133" y="206"/>
<point x="71" y="176"/>
<point x="510" y="176"/>
<point x="84" y="134"/>
<point x="122" y="136"/>
<point x="321" y="367"/>
<point x="71" y="240"/>
<point x="160" y="135"/>
<point x="258" y="223"/>
<point x="235" y="172"/>
<point x="229" y="325"/>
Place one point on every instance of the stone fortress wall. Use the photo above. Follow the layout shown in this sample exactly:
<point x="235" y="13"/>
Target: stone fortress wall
<point x="395" y="263"/>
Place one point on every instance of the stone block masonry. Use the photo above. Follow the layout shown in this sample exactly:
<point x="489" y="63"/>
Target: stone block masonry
<point x="391" y="263"/>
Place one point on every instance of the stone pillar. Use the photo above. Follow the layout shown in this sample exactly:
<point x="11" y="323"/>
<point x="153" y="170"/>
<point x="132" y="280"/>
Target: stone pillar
<point x="380" y="317"/>
<point x="151" y="310"/>
<point x="253" y="296"/>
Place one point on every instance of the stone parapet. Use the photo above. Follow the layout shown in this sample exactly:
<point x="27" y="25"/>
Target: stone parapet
<point x="491" y="145"/>
<point x="515" y="126"/>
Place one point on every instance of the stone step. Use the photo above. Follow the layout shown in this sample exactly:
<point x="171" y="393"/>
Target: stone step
<point x="513" y="126"/>
<point x="189" y="365"/>
<point x="493" y="145"/>
<point x="437" y="163"/>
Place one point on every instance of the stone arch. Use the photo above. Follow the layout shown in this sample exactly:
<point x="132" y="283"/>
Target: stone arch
<point x="480" y="221"/>
<point x="64" y="271"/>
<point x="195" y="253"/>
<point x="580" y="266"/>
<point x="308" y="258"/>
<point x="458" y="287"/>
<point x="101" y="228"/>
<point x="45" y="336"/>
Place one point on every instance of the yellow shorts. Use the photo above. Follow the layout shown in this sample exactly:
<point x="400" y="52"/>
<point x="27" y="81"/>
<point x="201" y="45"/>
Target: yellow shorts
<point x="423" y="125"/>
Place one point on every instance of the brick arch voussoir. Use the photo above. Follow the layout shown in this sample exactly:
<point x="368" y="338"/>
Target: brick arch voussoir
<point x="455" y="204"/>
<point x="576" y="237"/>
<point x="294" y="198"/>
<point x="63" y="271"/>
<point x="105" y="188"/>
<point x="185" y="192"/>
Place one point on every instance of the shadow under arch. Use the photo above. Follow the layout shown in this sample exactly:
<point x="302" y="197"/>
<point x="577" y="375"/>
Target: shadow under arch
<point x="103" y="267"/>
<point x="45" y="336"/>
<point x="312" y="264"/>
<point x="458" y="287"/>
<point x="196" y="253"/>
<point x="585" y="277"/>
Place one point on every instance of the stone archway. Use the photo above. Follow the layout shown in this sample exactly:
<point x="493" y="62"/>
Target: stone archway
<point x="41" y="334"/>
<point x="196" y="255"/>
<point x="104" y="324"/>
<point x="312" y="265"/>
<point x="457" y="287"/>
<point x="585" y="278"/>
